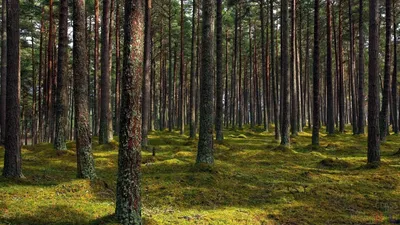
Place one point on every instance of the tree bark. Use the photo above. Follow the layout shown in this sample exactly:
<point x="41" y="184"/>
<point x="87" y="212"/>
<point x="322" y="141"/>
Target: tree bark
<point x="146" y="74"/>
<point x="361" y="108"/>
<point x="220" y="86"/>
<point x="193" y="78"/>
<point x="205" y="152"/>
<point x="128" y="203"/>
<point x="373" y="80"/>
<point x="12" y="156"/>
<point x="3" y="71"/>
<point x="316" y="79"/>
<point x="285" y="75"/>
<point x="293" y="75"/>
<point x="106" y="134"/>
<point x="62" y="80"/>
<point x="394" y="80"/>
<point x="383" y="115"/>
<point x="85" y="162"/>
<point x="329" y="80"/>
<point x="96" y="86"/>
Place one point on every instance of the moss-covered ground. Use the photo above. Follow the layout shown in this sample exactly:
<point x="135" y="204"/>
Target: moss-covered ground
<point x="253" y="181"/>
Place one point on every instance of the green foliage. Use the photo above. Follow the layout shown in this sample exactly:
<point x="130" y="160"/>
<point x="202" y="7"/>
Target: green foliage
<point x="252" y="182"/>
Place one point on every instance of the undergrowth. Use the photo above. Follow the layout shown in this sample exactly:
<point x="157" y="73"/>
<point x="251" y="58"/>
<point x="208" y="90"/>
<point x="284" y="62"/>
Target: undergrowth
<point x="253" y="181"/>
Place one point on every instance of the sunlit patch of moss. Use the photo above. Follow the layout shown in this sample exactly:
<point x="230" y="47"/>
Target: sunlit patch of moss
<point x="250" y="182"/>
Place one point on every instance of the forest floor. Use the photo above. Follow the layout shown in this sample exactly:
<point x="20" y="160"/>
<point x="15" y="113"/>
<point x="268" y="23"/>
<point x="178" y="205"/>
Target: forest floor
<point x="253" y="181"/>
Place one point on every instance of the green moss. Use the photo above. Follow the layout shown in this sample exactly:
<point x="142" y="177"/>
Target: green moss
<point x="253" y="181"/>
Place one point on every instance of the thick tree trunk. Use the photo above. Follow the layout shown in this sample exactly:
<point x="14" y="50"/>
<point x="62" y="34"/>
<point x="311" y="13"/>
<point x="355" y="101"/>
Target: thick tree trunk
<point x="205" y="152"/>
<point x="146" y="74"/>
<point x="85" y="160"/>
<point x="373" y="80"/>
<point x="285" y="75"/>
<point x="106" y="134"/>
<point x="12" y="156"/>
<point x="384" y="113"/>
<point x="316" y="78"/>
<point x="219" y="109"/>
<point x="62" y="79"/>
<point x="128" y="205"/>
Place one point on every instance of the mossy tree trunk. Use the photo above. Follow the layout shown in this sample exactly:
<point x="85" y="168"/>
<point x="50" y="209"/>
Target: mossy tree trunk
<point x="85" y="162"/>
<point x="205" y="152"/>
<point x="12" y="157"/>
<point x="62" y="79"/>
<point x="373" y="80"/>
<point x="128" y="206"/>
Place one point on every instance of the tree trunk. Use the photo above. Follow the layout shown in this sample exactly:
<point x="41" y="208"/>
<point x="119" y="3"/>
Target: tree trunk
<point x="146" y="74"/>
<point x="205" y="145"/>
<point x="383" y="115"/>
<point x="293" y="75"/>
<point x="181" y="109"/>
<point x="273" y="74"/>
<point x="373" y="80"/>
<point x="193" y="79"/>
<point x="351" y="74"/>
<point x="329" y="82"/>
<point x="117" y="66"/>
<point x="394" y="80"/>
<point x="128" y="204"/>
<point x="62" y="80"/>
<point x="361" y="110"/>
<point x="96" y="86"/>
<point x="219" y="109"/>
<point x="285" y="75"/>
<point x="316" y="79"/>
<point x="341" y="71"/>
<point x="170" y="75"/>
<point x="12" y="156"/>
<point x="105" y="135"/>
<point x="263" y="65"/>
<point x="3" y="71"/>
<point x="85" y="160"/>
